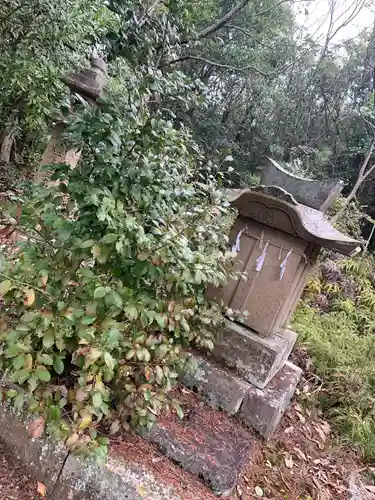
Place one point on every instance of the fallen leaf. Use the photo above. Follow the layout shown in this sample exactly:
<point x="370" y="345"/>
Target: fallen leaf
<point x="72" y="440"/>
<point x="306" y="389"/>
<point x="41" y="489"/>
<point x="141" y="490"/>
<point x="316" y="482"/>
<point x="36" y="427"/>
<point x="301" y="417"/>
<point x="321" y="433"/>
<point x="300" y="453"/>
<point x="289" y="462"/>
<point x="115" y="427"/>
<point x="326" y="428"/>
<point x="258" y="491"/>
<point x="80" y="395"/>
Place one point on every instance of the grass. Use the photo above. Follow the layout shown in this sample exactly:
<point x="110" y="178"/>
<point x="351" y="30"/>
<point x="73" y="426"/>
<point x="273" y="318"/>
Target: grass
<point x="341" y="343"/>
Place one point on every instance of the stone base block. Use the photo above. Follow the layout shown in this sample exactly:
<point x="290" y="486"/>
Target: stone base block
<point x="206" y="443"/>
<point x="221" y="389"/>
<point x="263" y="409"/>
<point x="256" y="359"/>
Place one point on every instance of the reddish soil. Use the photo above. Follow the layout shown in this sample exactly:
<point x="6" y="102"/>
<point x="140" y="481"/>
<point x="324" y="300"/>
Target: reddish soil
<point x="14" y="484"/>
<point x="301" y="462"/>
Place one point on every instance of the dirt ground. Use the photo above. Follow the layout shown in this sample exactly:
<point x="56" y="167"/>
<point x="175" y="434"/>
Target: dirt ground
<point x="14" y="483"/>
<point x="303" y="461"/>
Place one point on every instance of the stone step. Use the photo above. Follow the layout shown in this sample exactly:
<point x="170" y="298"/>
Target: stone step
<point x="207" y="443"/>
<point x="256" y="359"/>
<point x="262" y="409"/>
<point x="220" y="388"/>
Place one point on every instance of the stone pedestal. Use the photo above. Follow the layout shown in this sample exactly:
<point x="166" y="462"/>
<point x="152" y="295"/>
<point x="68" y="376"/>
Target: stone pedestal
<point x="256" y="359"/>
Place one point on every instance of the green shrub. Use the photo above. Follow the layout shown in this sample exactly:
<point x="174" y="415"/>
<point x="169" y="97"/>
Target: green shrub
<point x="109" y="288"/>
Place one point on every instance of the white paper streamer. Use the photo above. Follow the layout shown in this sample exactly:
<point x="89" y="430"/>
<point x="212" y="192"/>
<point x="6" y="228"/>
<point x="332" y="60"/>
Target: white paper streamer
<point x="261" y="258"/>
<point x="236" y="247"/>
<point x="284" y="263"/>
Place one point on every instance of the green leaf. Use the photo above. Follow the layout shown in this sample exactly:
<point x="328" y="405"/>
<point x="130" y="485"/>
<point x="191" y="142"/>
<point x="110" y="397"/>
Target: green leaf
<point x="96" y="251"/>
<point x="100" y="292"/>
<point x="109" y="238"/>
<point x="93" y="355"/>
<point x="11" y="393"/>
<point x="42" y="373"/>
<point x="113" y="298"/>
<point x="5" y="286"/>
<point x="65" y="232"/>
<point x="109" y="361"/>
<point x="146" y="355"/>
<point x="159" y="374"/>
<point x="160" y="320"/>
<point x="131" y="312"/>
<point x="179" y="411"/>
<point x="185" y="325"/>
<point x="45" y="359"/>
<point x="19" y="401"/>
<point x="130" y="354"/>
<point x="48" y="339"/>
<point x="22" y="376"/>
<point x="54" y="413"/>
<point x="88" y="320"/>
<point x="87" y="244"/>
<point x="18" y="362"/>
<point x="97" y="400"/>
<point x="58" y="365"/>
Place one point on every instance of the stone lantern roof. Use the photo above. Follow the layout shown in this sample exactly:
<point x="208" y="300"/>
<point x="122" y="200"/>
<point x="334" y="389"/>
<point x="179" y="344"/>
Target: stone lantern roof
<point x="88" y="82"/>
<point x="296" y="206"/>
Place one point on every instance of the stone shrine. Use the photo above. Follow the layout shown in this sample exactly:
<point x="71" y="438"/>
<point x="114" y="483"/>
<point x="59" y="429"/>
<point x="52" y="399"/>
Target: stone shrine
<point x="88" y="84"/>
<point x="278" y="234"/>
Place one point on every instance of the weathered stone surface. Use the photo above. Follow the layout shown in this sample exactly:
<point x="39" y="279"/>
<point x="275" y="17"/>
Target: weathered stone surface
<point x="117" y="481"/>
<point x="90" y="81"/>
<point x="221" y="389"/>
<point x="43" y="460"/>
<point x="207" y="444"/>
<point x="262" y="409"/>
<point x="316" y="194"/>
<point x="256" y="359"/>
<point x="69" y="478"/>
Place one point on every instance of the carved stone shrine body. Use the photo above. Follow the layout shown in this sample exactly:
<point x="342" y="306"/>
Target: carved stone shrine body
<point x="277" y="236"/>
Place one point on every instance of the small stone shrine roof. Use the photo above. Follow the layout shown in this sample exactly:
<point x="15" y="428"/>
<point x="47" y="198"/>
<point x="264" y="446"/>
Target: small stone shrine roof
<point x="315" y="194"/>
<point x="90" y="81"/>
<point x="275" y="207"/>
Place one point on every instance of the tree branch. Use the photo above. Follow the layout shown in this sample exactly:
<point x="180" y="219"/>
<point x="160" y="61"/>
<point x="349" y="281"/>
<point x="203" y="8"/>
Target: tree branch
<point x="221" y="22"/>
<point x="213" y="63"/>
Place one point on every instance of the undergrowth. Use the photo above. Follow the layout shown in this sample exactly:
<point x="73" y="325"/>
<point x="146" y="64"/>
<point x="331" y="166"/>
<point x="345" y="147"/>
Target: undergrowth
<point x="336" y="322"/>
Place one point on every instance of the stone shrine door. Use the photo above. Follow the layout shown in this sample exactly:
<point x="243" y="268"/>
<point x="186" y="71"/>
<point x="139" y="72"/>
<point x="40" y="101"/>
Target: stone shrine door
<point x="268" y="294"/>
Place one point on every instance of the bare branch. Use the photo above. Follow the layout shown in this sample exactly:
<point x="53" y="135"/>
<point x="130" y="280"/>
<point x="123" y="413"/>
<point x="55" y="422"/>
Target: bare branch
<point x="362" y="176"/>
<point x="216" y="64"/>
<point x="224" y="20"/>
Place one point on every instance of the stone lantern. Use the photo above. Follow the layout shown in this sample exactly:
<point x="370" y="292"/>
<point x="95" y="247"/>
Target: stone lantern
<point x="278" y="234"/>
<point x="89" y="84"/>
